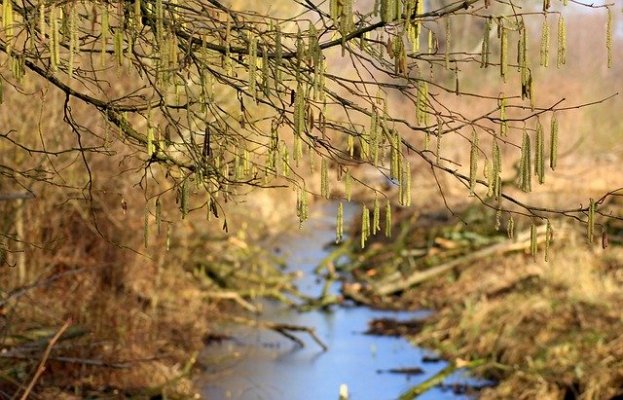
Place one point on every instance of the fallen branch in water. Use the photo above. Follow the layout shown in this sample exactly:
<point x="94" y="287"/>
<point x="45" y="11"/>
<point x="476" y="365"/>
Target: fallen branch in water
<point x="522" y="242"/>
<point x="284" y="330"/>
<point x="438" y="378"/>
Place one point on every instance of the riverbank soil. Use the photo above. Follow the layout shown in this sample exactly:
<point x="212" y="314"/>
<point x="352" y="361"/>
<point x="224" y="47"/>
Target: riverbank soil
<point x="545" y="330"/>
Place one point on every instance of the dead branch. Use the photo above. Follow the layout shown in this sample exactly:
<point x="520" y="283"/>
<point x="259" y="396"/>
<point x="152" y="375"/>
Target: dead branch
<point x="522" y="242"/>
<point x="284" y="330"/>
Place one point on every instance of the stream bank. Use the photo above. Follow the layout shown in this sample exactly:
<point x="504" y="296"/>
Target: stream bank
<point x="541" y="329"/>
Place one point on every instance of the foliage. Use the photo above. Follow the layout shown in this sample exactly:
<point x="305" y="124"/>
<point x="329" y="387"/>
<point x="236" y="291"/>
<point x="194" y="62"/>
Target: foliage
<point x="214" y="101"/>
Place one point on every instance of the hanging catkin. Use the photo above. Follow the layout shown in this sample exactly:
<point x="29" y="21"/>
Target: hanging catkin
<point x="252" y="64"/>
<point x="533" y="241"/>
<point x="540" y="152"/>
<point x="439" y="134"/>
<point x="55" y="40"/>
<point x="545" y="34"/>
<point x="184" y="198"/>
<point x="609" y="36"/>
<point x="348" y="185"/>
<point x="484" y="53"/>
<point x="447" y="48"/>
<point x="158" y="216"/>
<point x="388" y="219"/>
<point x="496" y="170"/>
<point x="525" y="175"/>
<point x="324" y="178"/>
<point x="590" y="229"/>
<point x="523" y="62"/>
<point x="503" y="117"/>
<point x="406" y="184"/>
<point x="339" y="226"/>
<point x="510" y="227"/>
<point x="553" y="146"/>
<point x="473" y="162"/>
<point x="503" y="52"/>
<point x="394" y="170"/>
<point x="549" y="233"/>
<point x="365" y="225"/>
<point x="376" y="216"/>
<point x="388" y="10"/>
<point x="562" y="42"/>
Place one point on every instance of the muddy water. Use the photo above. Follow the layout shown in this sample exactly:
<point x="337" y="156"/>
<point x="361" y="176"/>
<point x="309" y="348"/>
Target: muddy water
<point x="259" y="364"/>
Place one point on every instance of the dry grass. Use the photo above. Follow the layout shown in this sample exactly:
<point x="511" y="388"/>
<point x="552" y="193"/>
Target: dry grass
<point x="548" y="330"/>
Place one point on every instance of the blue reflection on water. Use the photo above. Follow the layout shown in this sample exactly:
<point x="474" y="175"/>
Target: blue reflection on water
<point x="261" y="364"/>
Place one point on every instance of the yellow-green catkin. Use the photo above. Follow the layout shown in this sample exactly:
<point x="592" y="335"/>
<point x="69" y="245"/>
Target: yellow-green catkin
<point x="473" y="162"/>
<point x="54" y="37"/>
<point x="609" y="36"/>
<point x="439" y="135"/>
<point x="158" y="216"/>
<point x="150" y="140"/>
<point x="545" y="36"/>
<point x="118" y="46"/>
<point x="365" y="225"/>
<point x="351" y="145"/>
<point x="549" y="234"/>
<point x="388" y="10"/>
<point x="533" y="240"/>
<point x="168" y="238"/>
<point x="510" y="227"/>
<point x="74" y="44"/>
<point x="334" y="11"/>
<point x="405" y="198"/>
<point x="553" y="143"/>
<point x="8" y="24"/>
<point x="503" y="52"/>
<point x="346" y="17"/>
<point x="523" y="62"/>
<point x="252" y="65"/>
<point x="184" y="201"/>
<point x="540" y="152"/>
<point x="484" y="53"/>
<point x="496" y="169"/>
<point x="302" y="205"/>
<point x="375" y="133"/>
<point x="503" y="116"/>
<point x="339" y="230"/>
<point x="395" y="155"/>
<point x="562" y="42"/>
<point x="388" y="219"/>
<point x="324" y="179"/>
<point x="299" y="123"/>
<point x="590" y="229"/>
<point x="525" y="175"/>
<point x="376" y="216"/>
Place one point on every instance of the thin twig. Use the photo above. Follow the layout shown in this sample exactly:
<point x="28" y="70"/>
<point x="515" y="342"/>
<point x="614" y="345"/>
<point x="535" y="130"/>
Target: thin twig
<point x="46" y="354"/>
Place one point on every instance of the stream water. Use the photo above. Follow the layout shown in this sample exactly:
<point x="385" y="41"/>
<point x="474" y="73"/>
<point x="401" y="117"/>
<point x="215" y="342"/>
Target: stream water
<point x="260" y="364"/>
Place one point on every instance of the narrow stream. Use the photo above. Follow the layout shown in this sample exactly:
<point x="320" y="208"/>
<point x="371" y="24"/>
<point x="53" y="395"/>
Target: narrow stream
<point x="261" y="364"/>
